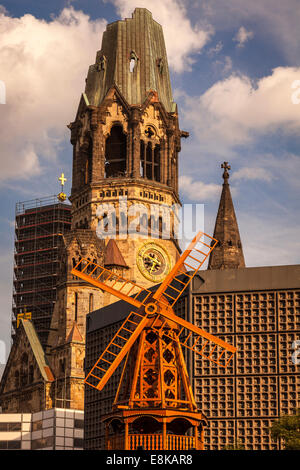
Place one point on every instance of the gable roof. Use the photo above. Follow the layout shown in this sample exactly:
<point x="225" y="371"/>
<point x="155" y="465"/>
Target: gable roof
<point x="37" y="350"/>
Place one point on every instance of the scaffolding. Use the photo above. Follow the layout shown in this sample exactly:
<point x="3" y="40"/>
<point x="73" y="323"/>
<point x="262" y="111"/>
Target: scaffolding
<point x="39" y="226"/>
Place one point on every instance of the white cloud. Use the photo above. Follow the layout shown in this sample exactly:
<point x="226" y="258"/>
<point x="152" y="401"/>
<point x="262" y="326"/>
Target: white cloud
<point x="44" y="65"/>
<point x="181" y="37"/>
<point x="215" y="50"/>
<point x="235" y="111"/>
<point x="252" y="173"/>
<point x="198" y="190"/>
<point x="243" y="36"/>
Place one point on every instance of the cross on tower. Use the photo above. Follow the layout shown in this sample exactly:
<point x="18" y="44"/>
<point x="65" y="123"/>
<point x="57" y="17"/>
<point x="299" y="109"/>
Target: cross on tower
<point x="62" y="196"/>
<point x="226" y="168"/>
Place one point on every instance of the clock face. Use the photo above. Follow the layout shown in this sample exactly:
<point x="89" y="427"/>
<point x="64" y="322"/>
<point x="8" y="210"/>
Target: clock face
<point x="153" y="261"/>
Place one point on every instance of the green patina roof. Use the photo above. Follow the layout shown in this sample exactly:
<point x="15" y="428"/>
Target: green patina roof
<point x="141" y="37"/>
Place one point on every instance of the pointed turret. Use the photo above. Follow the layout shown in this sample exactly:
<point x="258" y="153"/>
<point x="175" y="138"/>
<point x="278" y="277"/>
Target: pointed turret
<point x="228" y="254"/>
<point x="112" y="256"/>
<point x="74" y="335"/>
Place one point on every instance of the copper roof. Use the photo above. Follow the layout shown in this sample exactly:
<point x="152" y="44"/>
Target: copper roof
<point x="113" y="256"/>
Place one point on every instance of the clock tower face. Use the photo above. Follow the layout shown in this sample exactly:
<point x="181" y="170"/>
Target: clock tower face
<point x="153" y="261"/>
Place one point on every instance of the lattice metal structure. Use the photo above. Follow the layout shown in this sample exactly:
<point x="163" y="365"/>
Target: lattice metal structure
<point x="39" y="226"/>
<point x="263" y="384"/>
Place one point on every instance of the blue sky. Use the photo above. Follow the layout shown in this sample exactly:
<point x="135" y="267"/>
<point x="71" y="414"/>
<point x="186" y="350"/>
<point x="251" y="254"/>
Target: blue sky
<point x="232" y="69"/>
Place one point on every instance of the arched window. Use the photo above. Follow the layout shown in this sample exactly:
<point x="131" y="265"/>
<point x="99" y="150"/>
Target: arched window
<point x="91" y="303"/>
<point x="156" y="163"/>
<point x="133" y="60"/>
<point x="150" y="161"/>
<point x="115" y="153"/>
<point x="142" y="160"/>
<point x="76" y="306"/>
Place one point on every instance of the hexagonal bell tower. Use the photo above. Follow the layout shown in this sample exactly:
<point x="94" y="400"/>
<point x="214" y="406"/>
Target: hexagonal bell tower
<point x="126" y="141"/>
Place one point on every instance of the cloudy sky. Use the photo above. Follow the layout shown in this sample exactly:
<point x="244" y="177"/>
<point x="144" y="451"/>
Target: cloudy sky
<point x="235" y="71"/>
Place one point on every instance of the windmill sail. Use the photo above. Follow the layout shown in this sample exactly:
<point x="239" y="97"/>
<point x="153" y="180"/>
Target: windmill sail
<point x="110" y="282"/>
<point x="188" y="265"/>
<point x="199" y="341"/>
<point x="115" y="352"/>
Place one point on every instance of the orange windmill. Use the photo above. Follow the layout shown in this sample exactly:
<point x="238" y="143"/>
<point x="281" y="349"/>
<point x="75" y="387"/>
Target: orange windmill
<point x="154" y="408"/>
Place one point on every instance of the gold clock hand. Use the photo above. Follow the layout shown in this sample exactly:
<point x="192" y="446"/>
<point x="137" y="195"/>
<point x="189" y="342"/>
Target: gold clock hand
<point x="154" y="260"/>
<point x="153" y="266"/>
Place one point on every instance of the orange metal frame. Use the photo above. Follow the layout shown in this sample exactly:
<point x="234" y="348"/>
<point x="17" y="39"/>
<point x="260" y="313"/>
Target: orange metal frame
<point x="149" y="304"/>
<point x="159" y="373"/>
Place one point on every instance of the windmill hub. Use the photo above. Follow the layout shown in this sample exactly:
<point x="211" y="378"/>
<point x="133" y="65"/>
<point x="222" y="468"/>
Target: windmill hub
<point x="151" y="308"/>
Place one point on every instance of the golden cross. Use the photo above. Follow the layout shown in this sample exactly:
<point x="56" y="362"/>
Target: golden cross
<point x="226" y="167"/>
<point x="26" y="315"/>
<point x="62" y="179"/>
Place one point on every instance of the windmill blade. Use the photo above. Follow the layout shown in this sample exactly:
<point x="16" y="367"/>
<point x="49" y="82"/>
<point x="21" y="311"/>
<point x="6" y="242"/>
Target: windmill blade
<point x="111" y="282"/>
<point x="199" y="341"/>
<point x="115" y="352"/>
<point x="191" y="260"/>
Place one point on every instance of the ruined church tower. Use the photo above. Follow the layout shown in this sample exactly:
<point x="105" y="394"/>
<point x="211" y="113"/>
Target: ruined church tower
<point x="126" y="142"/>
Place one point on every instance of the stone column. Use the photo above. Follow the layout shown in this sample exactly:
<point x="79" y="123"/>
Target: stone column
<point x="136" y="137"/>
<point x="163" y="161"/>
<point x="170" y="135"/>
<point x="99" y="151"/>
<point x="152" y="160"/>
<point x="129" y="162"/>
